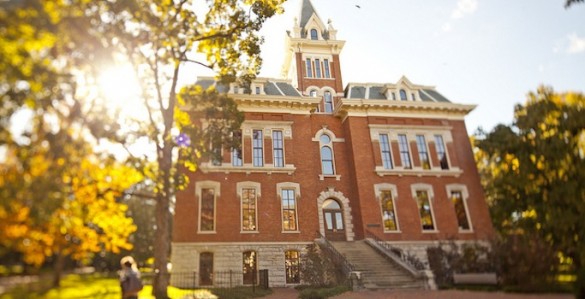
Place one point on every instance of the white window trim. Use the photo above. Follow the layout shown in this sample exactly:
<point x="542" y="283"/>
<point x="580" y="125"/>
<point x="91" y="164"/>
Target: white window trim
<point x="216" y="186"/>
<point x="239" y="188"/>
<point x="427" y="148"/>
<point x="411" y="131"/>
<point x="297" y="189"/>
<point x="408" y="148"/>
<point x="431" y="195"/>
<point x="321" y="58"/>
<point x="378" y="188"/>
<point x="283" y="147"/>
<point x="465" y="196"/>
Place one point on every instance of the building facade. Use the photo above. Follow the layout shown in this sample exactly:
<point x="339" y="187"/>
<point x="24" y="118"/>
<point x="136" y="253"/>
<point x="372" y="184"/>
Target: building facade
<point x="392" y="160"/>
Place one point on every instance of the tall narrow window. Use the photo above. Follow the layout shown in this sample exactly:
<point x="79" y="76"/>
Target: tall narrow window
<point x="424" y="207"/>
<point x="292" y="264"/>
<point x="423" y="154"/>
<point x="257" y="148"/>
<point x="388" y="212"/>
<point x="314" y="35"/>
<point x="278" y="148"/>
<point x="317" y="68"/>
<point x="206" y="269"/>
<point x="237" y="151"/>
<point x="207" y="217"/>
<point x="216" y="155"/>
<point x="289" y="210"/>
<point x="403" y="95"/>
<point x="404" y="152"/>
<point x="385" y="150"/>
<point x="309" y="68"/>
<point x="257" y="89"/>
<point x="328" y="102"/>
<point x="327" y="167"/>
<point x="460" y="211"/>
<point x="441" y="152"/>
<point x="326" y="68"/>
<point x="249" y="209"/>
<point x="249" y="267"/>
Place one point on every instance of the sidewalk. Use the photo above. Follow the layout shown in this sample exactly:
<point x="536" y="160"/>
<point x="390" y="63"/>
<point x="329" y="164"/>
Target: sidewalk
<point x="283" y="293"/>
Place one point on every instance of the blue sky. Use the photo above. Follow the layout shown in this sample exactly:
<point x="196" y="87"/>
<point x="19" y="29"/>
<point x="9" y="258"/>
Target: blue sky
<point x="485" y="52"/>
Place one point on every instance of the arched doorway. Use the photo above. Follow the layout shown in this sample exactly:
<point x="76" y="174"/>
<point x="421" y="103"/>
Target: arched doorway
<point x="333" y="220"/>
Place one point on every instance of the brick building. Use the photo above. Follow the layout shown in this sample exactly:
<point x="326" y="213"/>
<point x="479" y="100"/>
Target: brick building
<point x="390" y="159"/>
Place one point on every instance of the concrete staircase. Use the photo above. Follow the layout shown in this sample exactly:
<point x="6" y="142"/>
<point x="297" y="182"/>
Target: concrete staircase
<point x="377" y="271"/>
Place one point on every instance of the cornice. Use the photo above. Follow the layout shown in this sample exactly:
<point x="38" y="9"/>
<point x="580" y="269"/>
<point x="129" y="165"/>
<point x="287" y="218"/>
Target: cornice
<point x="266" y="103"/>
<point x="355" y="107"/>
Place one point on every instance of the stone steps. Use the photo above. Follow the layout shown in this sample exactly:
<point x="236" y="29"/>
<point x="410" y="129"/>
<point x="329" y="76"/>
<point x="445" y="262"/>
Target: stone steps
<point x="377" y="271"/>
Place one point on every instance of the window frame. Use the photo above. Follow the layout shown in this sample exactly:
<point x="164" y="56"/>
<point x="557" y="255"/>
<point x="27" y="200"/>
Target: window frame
<point x="462" y="189"/>
<point x="403" y="95"/>
<point x="314" y="34"/>
<point x="309" y="67"/>
<point x="199" y="187"/>
<point x="285" y="196"/>
<point x="328" y="102"/>
<point x="385" y="150"/>
<point x="258" y="148"/>
<point x="318" y="68"/>
<point x="423" y="152"/>
<point x="428" y="189"/>
<point x="326" y="70"/>
<point x="441" y="147"/>
<point x="237" y="154"/>
<point x="292" y="267"/>
<point x="278" y="148"/>
<point x="404" y="149"/>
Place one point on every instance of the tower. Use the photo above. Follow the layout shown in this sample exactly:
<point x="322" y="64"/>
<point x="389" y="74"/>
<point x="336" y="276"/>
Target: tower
<point x="312" y="58"/>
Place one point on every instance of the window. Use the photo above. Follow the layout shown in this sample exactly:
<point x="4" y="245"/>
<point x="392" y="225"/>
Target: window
<point x="404" y="152"/>
<point x="314" y="35"/>
<point x="257" y="89"/>
<point x="236" y="89"/>
<point x="249" y="209"/>
<point x="313" y="93"/>
<point x="257" y="148"/>
<point x="441" y="152"/>
<point x="237" y="151"/>
<point x="249" y="267"/>
<point x="328" y="102"/>
<point x="403" y="95"/>
<point x="289" y="210"/>
<point x="207" y="216"/>
<point x="460" y="210"/>
<point x="206" y="269"/>
<point x="412" y="97"/>
<point x="317" y="68"/>
<point x="309" y="68"/>
<point x="216" y="155"/>
<point x="394" y="96"/>
<point x="327" y="74"/>
<point x="278" y="148"/>
<point x="292" y="265"/>
<point x="388" y="212"/>
<point x="424" y="207"/>
<point x="385" y="150"/>
<point x="327" y="166"/>
<point x="423" y="155"/>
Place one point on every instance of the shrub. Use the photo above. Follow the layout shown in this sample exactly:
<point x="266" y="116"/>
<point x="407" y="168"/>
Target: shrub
<point x="316" y="267"/>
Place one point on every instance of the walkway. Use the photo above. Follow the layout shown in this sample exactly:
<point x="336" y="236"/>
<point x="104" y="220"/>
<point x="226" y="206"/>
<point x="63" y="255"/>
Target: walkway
<point x="289" y="293"/>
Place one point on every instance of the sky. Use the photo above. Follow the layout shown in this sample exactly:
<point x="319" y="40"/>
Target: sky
<point x="490" y="53"/>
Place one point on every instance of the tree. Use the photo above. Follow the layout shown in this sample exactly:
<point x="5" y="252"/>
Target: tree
<point x="158" y="39"/>
<point x="571" y="2"/>
<point x="534" y="169"/>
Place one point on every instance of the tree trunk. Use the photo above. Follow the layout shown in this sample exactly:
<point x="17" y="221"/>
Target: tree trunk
<point x="58" y="269"/>
<point x="162" y="234"/>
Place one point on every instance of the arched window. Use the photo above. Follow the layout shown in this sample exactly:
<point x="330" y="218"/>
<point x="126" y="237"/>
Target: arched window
<point x="403" y="95"/>
<point x="313" y="93"/>
<point x="327" y="166"/>
<point x="328" y="102"/>
<point x="314" y="35"/>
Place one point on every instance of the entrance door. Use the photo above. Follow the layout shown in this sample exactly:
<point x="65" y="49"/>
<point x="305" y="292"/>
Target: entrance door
<point x="333" y="215"/>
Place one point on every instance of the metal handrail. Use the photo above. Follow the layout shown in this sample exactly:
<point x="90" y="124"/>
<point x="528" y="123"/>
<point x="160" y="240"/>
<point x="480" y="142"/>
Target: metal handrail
<point x="396" y="253"/>
<point x="338" y="258"/>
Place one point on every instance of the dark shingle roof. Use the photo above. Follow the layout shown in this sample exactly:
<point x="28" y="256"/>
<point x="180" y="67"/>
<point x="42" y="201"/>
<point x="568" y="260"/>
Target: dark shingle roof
<point x="357" y="92"/>
<point x="307" y="10"/>
<point x="376" y="93"/>
<point x="436" y="96"/>
<point x="288" y="89"/>
<point x="424" y="97"/>
<point x="271" y="89"/>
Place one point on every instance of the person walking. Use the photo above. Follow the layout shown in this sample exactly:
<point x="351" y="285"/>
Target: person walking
<point x="130" y="278"/>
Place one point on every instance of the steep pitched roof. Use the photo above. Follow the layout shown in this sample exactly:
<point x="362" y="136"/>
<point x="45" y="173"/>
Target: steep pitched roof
<point x="307" y="10"/>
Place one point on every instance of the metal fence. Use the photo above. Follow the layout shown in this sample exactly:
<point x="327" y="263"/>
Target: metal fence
<point x="221" y="283"/>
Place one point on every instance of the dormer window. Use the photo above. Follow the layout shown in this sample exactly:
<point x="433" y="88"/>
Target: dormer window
<point x="257" y="89"/>
<point x="314" y="35"/>
<point x="403" y="95"/>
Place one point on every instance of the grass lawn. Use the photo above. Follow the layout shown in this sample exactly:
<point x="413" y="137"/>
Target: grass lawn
<point x="95" y="286"/>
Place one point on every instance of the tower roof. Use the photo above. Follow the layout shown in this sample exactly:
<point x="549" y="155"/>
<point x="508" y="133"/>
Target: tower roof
<point x="307" y="10"/>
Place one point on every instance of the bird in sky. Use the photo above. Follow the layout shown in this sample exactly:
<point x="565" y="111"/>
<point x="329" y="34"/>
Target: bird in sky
<point x="358" y="6"/>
